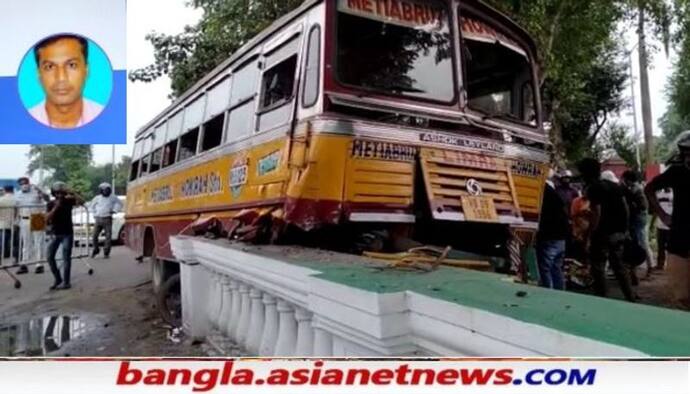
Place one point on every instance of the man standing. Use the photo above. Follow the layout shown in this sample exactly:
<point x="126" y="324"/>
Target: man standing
<point x="59" y="219"/>
<point x="637" y="203"/>
<point x="609" y="225"/>
<point x="62" y="62"/>
<point x="663" y="232"/>
<point x="554" y="229"/>
<point x="7" y="218"/>
<point x="565" y="188"/>
<point x="30" y="201"/>
<point x="677" y="178"/>
<point x="103" y="206"/>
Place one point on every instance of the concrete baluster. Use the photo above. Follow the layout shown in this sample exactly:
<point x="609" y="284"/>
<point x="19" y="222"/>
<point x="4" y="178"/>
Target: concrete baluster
<point x="323" y="343"/>
<point x="287" y="330"/>
<point x="226" y="304"/>
<point x="236" y="309"/>
<point x="233" y="307"/>
<point x="269" y="336"/>
<point x="256" y="322"/>
<point x="245" y="312"/>
<point x="305" y="333"/>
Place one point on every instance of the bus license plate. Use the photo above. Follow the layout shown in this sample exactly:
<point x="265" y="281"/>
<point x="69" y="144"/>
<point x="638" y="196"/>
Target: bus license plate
<point x="479" y="209"/>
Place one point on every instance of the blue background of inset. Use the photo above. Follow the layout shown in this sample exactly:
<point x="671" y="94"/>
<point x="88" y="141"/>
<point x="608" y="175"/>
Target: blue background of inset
<point x="99" y="83"/>
<point x="17" y="126"/>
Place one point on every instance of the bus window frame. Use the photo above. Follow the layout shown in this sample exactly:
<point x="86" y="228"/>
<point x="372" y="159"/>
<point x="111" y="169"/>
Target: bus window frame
<point x="254" y="56"/>
<point x="297" y="37"/>
<point x="308" y="54"/>
<point x="463" y="9"/>
<point x="354" y="89"/>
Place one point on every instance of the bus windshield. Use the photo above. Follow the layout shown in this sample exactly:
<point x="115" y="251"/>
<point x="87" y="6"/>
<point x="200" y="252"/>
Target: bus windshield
<point x="498" y="71"/>
<point x="400" y="48"/>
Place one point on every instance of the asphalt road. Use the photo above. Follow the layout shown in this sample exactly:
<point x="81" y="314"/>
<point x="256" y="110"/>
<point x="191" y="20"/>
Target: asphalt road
<point x="109" y="313"/>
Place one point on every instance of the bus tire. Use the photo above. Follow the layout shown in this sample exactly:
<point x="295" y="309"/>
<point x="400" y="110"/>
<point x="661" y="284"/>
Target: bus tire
<point x="169" y="301"/>
<point x="157" y="273"/>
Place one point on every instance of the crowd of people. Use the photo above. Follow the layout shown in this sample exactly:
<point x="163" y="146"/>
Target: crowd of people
<point x="35" y="225"/>
<point x="602" y="222"/>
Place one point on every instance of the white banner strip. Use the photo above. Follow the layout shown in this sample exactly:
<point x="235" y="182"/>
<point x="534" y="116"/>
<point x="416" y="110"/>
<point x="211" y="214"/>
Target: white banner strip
<point x="341" y="377"/>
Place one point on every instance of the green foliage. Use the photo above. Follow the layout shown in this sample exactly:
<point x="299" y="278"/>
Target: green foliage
<point x="72" y="164"/>
<point x="66" y="163"/>
<point x="226" y="25"/>
<point x="618" y="138"/>
<point x="582" y="71"/>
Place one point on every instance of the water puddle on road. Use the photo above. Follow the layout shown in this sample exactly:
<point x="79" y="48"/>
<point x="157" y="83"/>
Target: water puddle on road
<point x="43" y="336"/>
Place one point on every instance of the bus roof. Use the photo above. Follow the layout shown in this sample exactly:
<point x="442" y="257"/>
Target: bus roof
<point x="282" y="21"/>
<point x="227" y="63"/>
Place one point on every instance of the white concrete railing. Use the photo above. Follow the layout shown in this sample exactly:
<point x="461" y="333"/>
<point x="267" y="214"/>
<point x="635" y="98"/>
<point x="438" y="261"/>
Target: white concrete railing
<point x="273" y="308"/>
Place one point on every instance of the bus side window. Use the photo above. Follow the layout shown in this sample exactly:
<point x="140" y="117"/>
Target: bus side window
<point x="213" y="133"/>
<point x="156" y="159"/>
<point x="170" y="154"/>
<point x="145" y="165"/>
<point x="134" y="171"/>
<point x="188" y="144"/>
<point x="312" y="73"/>
<point x="278" y="83"/>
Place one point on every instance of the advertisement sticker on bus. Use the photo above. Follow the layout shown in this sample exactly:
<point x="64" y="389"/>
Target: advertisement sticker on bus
<point x="238" y="176"/>
<point x="405" y="13"/>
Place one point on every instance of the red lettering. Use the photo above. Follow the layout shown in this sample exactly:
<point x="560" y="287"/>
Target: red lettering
<point x="408" y="12"/>
<point x="205" y="380"/>
<point x="354" y="4"/>
<point x="447" y="377"/>
<point x="155" y="377"/>
<point x="352" y="374"/>
<point x="227" y="371"/>
<point x="419" y="14"/>
<point x="366" y="6"/>
<point x="332" y="377"/>
<point x="504" y="376"/>
<point x="417" y="375"/>
<point x="300" y="376"/>
<point x="382" y="376"/>
<point x="185" y="374"/>
<point x="243" y="377"/>
<point x="380" y="8"/>
<point x="476" y="376"/>
<point x="128" y="376"/>
<point x="394" y="11"/>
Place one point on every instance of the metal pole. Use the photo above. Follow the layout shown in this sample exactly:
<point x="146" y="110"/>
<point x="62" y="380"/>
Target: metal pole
<point x="112" y="171"/>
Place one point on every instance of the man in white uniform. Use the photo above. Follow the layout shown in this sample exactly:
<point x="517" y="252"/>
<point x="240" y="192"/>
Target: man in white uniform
<point x="7" y="221"/>
<point x="102" y="207"/>
<point x="30" y="200"/>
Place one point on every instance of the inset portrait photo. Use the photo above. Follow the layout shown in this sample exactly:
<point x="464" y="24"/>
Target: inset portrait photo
<point x="65" y="81"/>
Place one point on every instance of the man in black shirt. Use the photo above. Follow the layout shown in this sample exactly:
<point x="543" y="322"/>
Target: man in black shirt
<point x="609" y="228"/>
<point x="59" y="218"/>
<point x="554" y="230"/>
<point x="677" y="177"/>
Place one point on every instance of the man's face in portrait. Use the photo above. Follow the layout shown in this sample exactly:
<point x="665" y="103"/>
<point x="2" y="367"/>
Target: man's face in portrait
<point x="62" y="71"/>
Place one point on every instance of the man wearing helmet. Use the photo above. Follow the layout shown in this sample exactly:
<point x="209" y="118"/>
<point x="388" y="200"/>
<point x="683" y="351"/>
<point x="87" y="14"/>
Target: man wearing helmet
<point x="102" y="207"/>
<point x="59" y="218"/>
<point x="677" y="178"/>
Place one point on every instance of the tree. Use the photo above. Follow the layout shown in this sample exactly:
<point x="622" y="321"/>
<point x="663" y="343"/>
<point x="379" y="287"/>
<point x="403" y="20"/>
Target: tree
<point x="65" y="163"/>
<point x="582" y="77"/>
<point x="226" y="25"/>
<point x="103" y="173"/>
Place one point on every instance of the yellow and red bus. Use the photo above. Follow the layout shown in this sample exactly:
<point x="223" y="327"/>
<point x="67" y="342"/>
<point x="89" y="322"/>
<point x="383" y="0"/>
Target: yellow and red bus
<point x="420" y="117"/>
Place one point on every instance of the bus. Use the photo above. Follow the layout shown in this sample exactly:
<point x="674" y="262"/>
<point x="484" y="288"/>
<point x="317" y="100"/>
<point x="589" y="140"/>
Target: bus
<point x="414" y="119"/>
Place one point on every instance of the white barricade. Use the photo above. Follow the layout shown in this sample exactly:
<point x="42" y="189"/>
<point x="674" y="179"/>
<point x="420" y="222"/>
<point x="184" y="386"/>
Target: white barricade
<point x="25" y="235"/>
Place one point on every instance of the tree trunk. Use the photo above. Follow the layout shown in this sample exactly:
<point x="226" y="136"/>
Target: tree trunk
<point x="644" y="86"/>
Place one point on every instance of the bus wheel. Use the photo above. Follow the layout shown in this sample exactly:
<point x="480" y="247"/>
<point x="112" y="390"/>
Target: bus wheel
<point x="157" y="273"/>
<point x="169" y="301"/>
